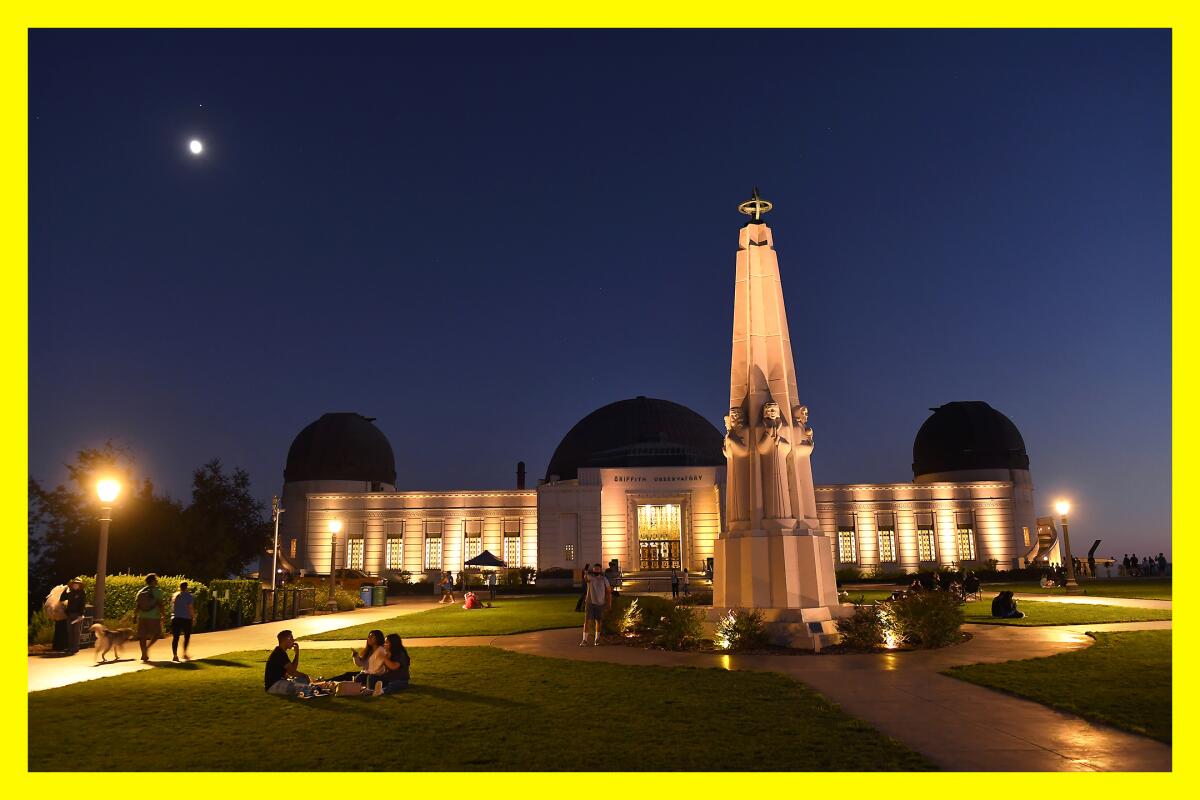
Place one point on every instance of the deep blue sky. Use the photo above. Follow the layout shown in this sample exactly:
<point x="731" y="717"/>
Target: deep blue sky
<point x="479" y="237"/>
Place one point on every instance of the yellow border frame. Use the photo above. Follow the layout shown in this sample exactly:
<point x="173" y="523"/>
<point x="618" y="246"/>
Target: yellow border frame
<point x="16" y="20"/>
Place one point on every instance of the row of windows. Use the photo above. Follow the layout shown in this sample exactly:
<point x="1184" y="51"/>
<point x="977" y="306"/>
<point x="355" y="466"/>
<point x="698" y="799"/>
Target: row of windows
<point x="847" y="545"/>
<point x="432" y="557"/>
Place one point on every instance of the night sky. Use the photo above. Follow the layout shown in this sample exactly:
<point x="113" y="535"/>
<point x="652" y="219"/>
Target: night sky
<point x="479" y="237"/>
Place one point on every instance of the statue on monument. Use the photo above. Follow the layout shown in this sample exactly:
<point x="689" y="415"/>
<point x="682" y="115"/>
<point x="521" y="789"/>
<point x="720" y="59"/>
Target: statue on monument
<point x="773" y="447"/>
<point x="737" y="455"/>
<point x="804" y="443"/>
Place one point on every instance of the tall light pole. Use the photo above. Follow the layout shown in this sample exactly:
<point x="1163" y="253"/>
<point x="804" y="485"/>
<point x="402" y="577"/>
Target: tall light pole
<point x="276" y="511"/>
<point x="335" y="525"/>
<point x="107" y="490"/>
<point x="1062" y="507"/>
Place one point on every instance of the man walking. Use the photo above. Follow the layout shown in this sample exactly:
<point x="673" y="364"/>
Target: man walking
<point x="74" y="600"/>
<point x="183" y="604"/>
<point x="148" y="605"/>
<point x="599" y="599"/>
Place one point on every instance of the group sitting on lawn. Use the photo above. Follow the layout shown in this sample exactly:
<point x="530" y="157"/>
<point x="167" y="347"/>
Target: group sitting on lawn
<point x="383" y="668"/>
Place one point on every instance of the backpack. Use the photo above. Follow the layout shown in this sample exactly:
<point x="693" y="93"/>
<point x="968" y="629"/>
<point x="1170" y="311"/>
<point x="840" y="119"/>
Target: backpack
<point x="145" y="600"/>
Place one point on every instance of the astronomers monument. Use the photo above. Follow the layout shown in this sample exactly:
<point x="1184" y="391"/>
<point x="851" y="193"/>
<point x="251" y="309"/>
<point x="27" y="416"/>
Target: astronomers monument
<point x="771" y="554"/>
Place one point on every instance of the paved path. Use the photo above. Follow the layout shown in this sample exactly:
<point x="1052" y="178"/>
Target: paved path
<point x="957" y="725"/>
<point x="48" y="672"/>
<point x="1092" y="600"/>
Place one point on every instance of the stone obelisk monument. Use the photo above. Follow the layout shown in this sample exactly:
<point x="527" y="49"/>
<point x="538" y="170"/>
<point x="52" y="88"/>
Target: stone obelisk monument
<point x="772" y="555"/>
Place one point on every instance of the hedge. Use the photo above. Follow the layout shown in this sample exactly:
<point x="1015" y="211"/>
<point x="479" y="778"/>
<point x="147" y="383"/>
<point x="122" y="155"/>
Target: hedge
<point x="120" y="592"/>
<point x="245" y="596"/>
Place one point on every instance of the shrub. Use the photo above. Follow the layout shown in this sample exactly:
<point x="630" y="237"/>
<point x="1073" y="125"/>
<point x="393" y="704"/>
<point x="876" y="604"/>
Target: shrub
<point x="679" y="628"/>
<point x="528" y="575"/>
<point x="847" y="574"/>
<point x="703" y="597"/>
<point x="741" y="629"/>
<point x="865" y="629"/>
<point x="41" y="628"/>
<point x="611" y="624"/>
<point x="557" y="572"/>
<point x="632" y="621"/>
<point x="345" y="599"/>
<point x="512" y="577"/>
<point x="926" y="619"/>
<point x="245" y="596"/>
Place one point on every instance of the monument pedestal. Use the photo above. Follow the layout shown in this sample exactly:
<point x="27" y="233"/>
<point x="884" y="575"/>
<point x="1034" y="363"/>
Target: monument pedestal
<point x="788" y="576"/>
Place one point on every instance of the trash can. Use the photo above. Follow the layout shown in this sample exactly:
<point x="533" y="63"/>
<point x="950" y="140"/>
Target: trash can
<point x="365" y="593"/>
<point x="379" y="595"/>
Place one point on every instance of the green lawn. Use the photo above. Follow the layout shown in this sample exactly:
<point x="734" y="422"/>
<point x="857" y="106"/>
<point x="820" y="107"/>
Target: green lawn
<point x="470" y="708"/>
<point x="1124" y="679"/>
<point x="1037" y="613"/>
<point x="1138" y="588"/>
<point x="507" y="615"/>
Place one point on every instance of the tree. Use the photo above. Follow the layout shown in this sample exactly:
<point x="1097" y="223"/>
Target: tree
<point x="225" y="527"/>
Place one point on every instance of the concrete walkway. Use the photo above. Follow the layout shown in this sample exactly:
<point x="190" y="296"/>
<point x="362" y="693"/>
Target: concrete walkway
<point x="1091" y="600"/>
<point x="957" y="725"/>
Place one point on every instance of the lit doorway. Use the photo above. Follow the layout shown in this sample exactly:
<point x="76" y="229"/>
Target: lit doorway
<point x="660" y="536"/>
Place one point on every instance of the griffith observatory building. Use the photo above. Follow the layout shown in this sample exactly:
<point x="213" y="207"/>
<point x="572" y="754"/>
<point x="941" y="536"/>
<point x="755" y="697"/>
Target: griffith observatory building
<point x="644" y="481"/>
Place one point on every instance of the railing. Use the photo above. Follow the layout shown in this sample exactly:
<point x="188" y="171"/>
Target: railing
<point x="286" y="603"/>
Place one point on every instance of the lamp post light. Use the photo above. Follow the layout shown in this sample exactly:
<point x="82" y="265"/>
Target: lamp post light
<point x="107" y="490"/>
<point x="276" y="511"/>
<point x="1062" y="507"/>
<point x="335" y="525"/>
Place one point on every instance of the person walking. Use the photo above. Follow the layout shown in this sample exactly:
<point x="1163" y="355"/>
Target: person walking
<point x="75" y="602"/>
<point x="674" y="584"/>
<point x="491" y="582"/>
<point x="599" y="600"/>
<point x="687" y="591"/>
<point x="183" y="611"/>
<point x="149" y="610"/>
<point x="1162" y="565"/>
<point x="583" y="583"/>
<point x="447" y="588"/>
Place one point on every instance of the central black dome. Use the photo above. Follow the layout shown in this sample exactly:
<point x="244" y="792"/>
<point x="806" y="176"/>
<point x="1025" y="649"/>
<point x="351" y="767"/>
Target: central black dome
<point x="642" y="432"/>
<point x="341" y="447"/>
<point x="967" y="435"/>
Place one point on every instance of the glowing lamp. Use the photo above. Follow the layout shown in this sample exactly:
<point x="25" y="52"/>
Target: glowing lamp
<point x="108" y="489"/>
<point x="335" y="525"/>
<point x="1062" y="507"/>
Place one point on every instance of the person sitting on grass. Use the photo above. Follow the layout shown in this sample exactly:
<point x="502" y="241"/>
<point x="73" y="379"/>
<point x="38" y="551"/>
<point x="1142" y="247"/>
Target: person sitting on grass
<point x="396" y="661"/>
<point x="1005" y="607"/>
<point x="369" y="660"/>
<point x="971" y="584"/>
<point x="283" y="676"/>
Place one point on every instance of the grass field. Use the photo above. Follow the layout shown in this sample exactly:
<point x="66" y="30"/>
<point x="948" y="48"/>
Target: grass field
<point x="1124" y="679"/>
<point x="470" y="708"/>
<point x="507" y="615"/>
<point x="1036" y="614"/>
<point x="1138" y="589"/>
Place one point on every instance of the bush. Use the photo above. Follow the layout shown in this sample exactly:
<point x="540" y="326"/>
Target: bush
<point x="41" y="628"/>
<point x="245" y="596"/>
<point x="865" y="629"/>
<point x="847" y="574"/>
<point x="528" y="575"/>
<point x="741" y="630"/>
<point x="703" y="597"/>
<point x="346" y="600"/>
<point x="926" y="619"/>
<point x="557" y="573"/>
<point x="121" y="590"/>
<point x="679" y="628"/>
<point x="613" y="619"/>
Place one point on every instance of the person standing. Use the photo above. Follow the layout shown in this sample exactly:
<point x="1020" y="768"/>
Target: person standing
<point x="674" y="584"/>
<point x="599" y="600"/>
<point x="447" y="588"/>
<point x="687" y="589"/>
<point x="491" y="582"/>
<point x="583" y="583"/>
<point x="183" y="610"/>
<point x="1162" y="565"/>
<point x="149" y="610"/>
<point x="75" y="601"/>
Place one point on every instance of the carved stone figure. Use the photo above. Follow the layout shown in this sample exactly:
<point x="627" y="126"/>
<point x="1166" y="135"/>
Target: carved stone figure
<point x="773" y="448"/>
<point x="737" y="472"/>
<point x="803" y="433"/>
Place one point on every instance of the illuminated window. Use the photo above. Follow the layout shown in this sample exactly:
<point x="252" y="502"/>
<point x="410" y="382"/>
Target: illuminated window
<point x="433" y="544"/>
<point x="472" y="538"/>
<point x="966" y="544"/>
<point x="1024" y="530"/>
<point x="659" y="533"/>
<point x="887" y="545"/>
<point x="512" y="542"/>
<point x="292" y="549"/>
<point x="569" y="555"/>
<point x="925" y="549"/>
<point x="354" y="553"/>
<point x="395" y="552"/>
<point x="846" y="554"/>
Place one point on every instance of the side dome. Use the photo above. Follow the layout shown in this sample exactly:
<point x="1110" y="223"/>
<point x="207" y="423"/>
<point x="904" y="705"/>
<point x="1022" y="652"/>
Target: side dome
<point x="967" y="435"/>
<point x="642" y="432"/>
<point x="341" y="447"/>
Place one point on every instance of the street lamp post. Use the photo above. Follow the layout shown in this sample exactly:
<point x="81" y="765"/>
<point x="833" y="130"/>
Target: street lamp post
<point x="107" y="490"/>
<point x="276" y="511"/>
<point x="335" y="525"/>
<point x="1062" y="507"/>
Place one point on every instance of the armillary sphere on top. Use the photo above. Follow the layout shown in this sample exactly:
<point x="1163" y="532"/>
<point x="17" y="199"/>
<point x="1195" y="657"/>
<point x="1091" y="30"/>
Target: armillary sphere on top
<point x="755" y="206"/>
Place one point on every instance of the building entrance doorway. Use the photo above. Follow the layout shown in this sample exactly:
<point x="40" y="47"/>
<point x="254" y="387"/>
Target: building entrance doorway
<point x="660" y="536"/>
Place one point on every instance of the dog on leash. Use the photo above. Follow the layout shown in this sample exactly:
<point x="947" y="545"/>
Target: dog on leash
<point x="109" y="639"/>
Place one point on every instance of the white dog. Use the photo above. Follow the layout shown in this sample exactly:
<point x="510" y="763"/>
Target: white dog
<point x="109" y="639"/>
